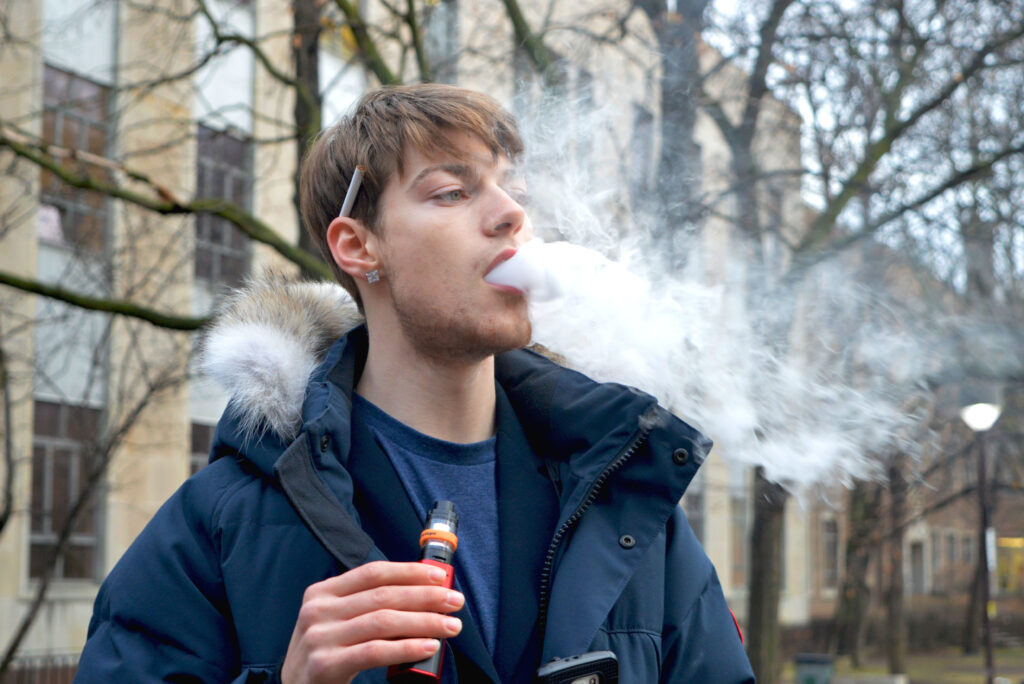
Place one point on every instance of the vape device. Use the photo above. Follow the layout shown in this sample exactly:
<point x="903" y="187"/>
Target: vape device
<point x="438" y="542"/>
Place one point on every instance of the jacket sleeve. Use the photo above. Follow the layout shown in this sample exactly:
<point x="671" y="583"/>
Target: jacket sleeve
<point x="700" y="642"/>
<point x="162" y="614"/>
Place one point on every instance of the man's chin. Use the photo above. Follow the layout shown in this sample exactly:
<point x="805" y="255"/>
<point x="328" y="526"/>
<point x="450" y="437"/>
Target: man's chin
<point x="516" y="340"/>
<point x="489" y="342"/>
<point x="457" y="336"/>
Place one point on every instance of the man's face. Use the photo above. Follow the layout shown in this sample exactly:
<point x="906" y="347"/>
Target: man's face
<point x="446" y="222"/>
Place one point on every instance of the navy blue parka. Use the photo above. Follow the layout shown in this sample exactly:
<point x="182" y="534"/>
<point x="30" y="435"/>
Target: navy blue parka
<point x="596" y="552"/>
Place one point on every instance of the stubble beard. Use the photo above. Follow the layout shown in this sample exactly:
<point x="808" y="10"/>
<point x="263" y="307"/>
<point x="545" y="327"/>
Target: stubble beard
<point x="460" y="335"/>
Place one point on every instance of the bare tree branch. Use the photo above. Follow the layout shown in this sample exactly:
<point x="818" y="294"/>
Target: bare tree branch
<point x="113" y="306"/>
<point x="757" y="84"/>
<point x="978" y="169"/>
<point x="895" y="128"/>
<point x="417" y="42"/>
<point x="542" y="59"/>
<point x="166" y="203"/>
<point x="367" y="47"/>
<point x="301" y="89"/>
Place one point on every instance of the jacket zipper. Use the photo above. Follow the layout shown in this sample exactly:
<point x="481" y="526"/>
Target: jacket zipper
<point x="638" y="438"/>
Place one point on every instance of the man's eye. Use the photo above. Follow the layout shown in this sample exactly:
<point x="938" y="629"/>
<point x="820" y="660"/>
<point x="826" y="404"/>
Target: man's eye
<point x="451" y="195"/>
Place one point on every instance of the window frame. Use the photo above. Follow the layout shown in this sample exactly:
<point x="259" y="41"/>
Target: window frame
<point x="830" y="547"/>
<point x="73" y="203"/>
<point x="215" y="236"/>
<point x="78" y="450"/>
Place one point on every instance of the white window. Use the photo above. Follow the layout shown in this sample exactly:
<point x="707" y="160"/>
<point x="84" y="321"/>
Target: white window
<point x="224" y="86"/>
<point x="80" y="36"/>
<point x="63" y="455"/>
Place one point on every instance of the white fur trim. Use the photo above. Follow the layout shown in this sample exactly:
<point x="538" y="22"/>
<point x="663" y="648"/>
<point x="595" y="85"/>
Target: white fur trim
<point x="266" y="372"/>
<point x="265" y="343"/>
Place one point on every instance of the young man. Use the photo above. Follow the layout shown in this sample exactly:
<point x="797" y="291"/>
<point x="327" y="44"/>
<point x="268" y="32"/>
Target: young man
<point x="292" y="556"/>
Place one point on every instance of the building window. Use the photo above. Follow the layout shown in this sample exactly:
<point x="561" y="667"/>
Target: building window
<point x="75" y="112"/>
<point x="830" y="553"/>
<point x="224" y="168"/>
<point x="63" y="454"/>
<point x="937" y="576"/>
<point x="967" y="550"/>
<point x="693" y="505"/>
<point x="916" y="568"/>
<point x="202" y="440"/>
<point x="951" y="558"/>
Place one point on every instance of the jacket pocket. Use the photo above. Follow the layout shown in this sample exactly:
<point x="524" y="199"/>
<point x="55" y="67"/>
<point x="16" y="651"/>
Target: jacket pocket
<point x="637" y="650"/>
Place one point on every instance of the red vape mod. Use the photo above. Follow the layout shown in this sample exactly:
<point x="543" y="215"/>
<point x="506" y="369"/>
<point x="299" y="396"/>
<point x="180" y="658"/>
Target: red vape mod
<point x="437" y="547"/>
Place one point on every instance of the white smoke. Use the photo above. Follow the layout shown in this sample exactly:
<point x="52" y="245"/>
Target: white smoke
<point x="818" y="398"/>
<point x="692" y="346"/>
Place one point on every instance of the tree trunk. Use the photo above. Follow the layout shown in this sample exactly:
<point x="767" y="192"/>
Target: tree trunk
<point x="679" y="164"/>
<point x="305" y="52"/>
<point x="765" y="578"/>
<point x="896" y="632"/>
<point x="855" y="596"/>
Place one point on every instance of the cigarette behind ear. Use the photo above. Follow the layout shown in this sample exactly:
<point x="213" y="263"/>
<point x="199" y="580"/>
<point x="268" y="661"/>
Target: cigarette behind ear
<point x="353" y="191"/>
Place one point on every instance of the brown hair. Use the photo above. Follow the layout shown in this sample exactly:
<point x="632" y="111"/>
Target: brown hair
<point x="376" y="135"/>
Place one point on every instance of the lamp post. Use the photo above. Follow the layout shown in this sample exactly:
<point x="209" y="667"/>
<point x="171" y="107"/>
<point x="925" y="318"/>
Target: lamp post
<point x="981" y="413"/>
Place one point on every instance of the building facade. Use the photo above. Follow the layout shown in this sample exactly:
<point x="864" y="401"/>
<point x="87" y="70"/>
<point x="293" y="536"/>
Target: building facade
<point x="155" y="106"/>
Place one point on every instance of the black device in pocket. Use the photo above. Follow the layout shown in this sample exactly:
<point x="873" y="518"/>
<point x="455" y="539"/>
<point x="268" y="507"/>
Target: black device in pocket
<point x="596" y="667"/>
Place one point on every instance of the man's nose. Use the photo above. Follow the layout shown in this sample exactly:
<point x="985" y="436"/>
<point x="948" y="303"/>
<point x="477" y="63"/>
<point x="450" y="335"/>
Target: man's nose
<point x="507" y="215"/>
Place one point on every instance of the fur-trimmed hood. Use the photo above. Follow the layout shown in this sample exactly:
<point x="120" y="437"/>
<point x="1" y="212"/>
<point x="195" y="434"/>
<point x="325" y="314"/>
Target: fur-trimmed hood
<point x="265" y="342"/>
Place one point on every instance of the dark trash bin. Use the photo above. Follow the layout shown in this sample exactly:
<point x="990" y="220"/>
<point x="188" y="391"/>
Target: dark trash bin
<point x="813" y="668"/>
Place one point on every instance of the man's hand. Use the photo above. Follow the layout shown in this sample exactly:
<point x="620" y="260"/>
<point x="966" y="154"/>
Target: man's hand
<point x="378" y="614"/>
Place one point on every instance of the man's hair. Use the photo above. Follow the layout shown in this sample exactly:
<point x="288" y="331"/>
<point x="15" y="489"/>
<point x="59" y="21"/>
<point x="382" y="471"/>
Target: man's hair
<point x="376" y="135"/>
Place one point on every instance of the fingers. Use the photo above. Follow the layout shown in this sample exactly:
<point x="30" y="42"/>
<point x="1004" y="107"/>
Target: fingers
<point x="382" y="613"/>
<point x="324" y="608"/>
<point x="379" y="574"/>
<point x="384" y="624"/>
<point x="345" y="597"/>
<point x="327" y="664"/>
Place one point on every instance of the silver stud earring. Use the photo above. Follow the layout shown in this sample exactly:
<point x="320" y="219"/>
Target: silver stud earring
<point x="373" y="276"/>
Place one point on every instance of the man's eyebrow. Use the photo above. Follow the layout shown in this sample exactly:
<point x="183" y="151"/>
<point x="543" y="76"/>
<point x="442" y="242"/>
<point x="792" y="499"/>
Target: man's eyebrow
<point x="461" y="171"/>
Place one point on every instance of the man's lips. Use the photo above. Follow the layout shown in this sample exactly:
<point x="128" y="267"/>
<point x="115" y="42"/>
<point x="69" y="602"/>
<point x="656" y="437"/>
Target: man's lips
<point x="503" y="256"/>
<point x="507" y="288"/>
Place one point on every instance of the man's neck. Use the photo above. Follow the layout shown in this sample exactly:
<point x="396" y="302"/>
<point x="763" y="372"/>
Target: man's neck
<point x="453" y="400"/>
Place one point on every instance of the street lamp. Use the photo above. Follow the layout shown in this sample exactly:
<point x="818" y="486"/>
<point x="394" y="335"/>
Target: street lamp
<point x="981" y="405"/>
<point x="981" y="416"/>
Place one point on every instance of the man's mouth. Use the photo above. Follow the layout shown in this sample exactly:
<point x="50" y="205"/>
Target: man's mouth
<point x="503" y="256"/>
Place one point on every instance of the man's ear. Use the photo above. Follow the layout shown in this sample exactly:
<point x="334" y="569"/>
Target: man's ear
<point x="353" y="246"/>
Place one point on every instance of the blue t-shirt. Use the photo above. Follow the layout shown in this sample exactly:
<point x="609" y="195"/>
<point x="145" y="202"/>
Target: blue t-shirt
<point x="431" y="469"/>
